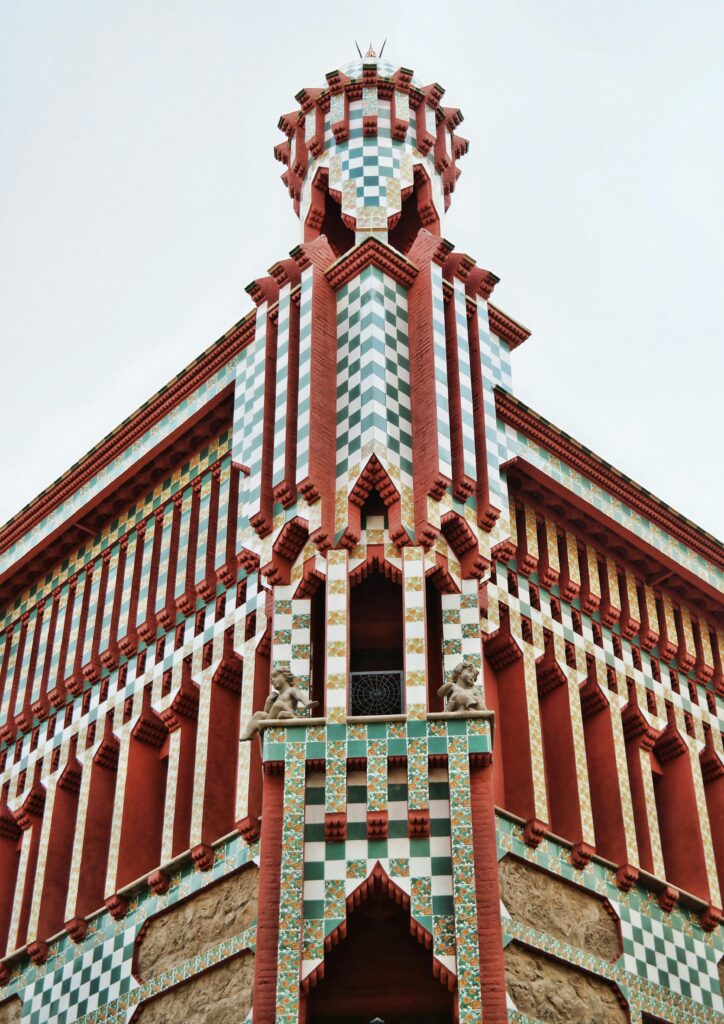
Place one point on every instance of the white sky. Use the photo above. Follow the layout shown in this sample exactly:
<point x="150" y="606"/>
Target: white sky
<point x="139" y="194"/>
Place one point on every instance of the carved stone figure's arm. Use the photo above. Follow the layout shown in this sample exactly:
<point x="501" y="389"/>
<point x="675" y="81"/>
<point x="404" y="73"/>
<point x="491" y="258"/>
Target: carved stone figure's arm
<point x="445" y="690"/>
<point x="270" y="701"/>
<point x="299" y="697"/>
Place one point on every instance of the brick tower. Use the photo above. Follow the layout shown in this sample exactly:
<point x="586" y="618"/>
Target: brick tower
<point x="336" y="684"/>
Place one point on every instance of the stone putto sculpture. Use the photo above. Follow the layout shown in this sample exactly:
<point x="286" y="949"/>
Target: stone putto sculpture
<point x="461" y="690"/>
<point x="282" y="702"/>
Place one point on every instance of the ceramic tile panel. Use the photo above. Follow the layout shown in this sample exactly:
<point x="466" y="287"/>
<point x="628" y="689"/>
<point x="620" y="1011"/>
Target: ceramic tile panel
<point x="92" y="982"/>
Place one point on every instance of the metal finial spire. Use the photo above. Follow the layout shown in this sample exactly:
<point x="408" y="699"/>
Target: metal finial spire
<point x="370" y="52"/>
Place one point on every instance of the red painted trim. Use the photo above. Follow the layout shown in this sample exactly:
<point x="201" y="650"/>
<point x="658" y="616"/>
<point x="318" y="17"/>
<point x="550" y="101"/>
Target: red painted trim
<point x="698" y="590"/>
<point x="512" y="411"/>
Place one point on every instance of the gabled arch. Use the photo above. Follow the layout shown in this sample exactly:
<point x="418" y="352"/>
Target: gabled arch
<point x="374" y="476"/>
<point x="378" y="886"/>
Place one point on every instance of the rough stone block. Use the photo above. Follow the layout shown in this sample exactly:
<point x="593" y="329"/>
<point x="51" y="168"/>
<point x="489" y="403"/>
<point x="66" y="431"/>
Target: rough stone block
<point x="564" y="911"/>
<point x="11" y="1011"/>
<point x="197" y="923"/>
<point x="558" y="993"/>
<point x="222" y="995"/>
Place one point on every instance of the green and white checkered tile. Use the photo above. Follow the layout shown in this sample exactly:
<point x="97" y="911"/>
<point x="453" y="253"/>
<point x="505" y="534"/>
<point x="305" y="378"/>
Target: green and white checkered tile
<point x="373" y="371"/>
<point x="495" y="366"/>
<point x="282" y="385"/>
<point x="95" y="977"/>
<point x="305" y="374"/>
<point x="464" y="379"/>
<point x="79" y="979"/>
<point x="422" y="868"/>
<point x="671" y="958"/>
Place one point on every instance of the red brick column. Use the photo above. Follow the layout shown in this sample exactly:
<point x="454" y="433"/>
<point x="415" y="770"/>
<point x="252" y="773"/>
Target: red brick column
<point x="267" y="929"/>
<point x="487" y="889"/>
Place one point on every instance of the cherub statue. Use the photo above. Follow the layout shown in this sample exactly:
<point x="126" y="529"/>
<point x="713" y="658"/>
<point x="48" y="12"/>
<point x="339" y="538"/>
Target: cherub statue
<point x="461" y="690"/>
<point x="281" y="703"/>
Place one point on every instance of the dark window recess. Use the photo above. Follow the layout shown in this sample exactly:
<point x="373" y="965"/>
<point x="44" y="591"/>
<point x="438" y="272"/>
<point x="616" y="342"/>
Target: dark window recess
<point x="376" y="693"/>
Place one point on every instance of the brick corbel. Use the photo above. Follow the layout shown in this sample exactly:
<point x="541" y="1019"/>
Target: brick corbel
<point x="418" y="823"/>
<point x="534" y="832"/>
<point x="335" y="826"/>
<point x="38" y="952"/>
<point x="377" y="824"/>
<point x="249" y="829"/>
<point x="159" y="882"/>
<point x="117" y="906"/>
<point x="77" y="928"/>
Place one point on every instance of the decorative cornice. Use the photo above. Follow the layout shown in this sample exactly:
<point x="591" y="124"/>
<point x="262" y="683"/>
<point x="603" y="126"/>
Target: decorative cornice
<point x="371" y="252"/>
<point x="236" y="338"/>
<point x="507" y="328"/>
<point x="514" y="412"/>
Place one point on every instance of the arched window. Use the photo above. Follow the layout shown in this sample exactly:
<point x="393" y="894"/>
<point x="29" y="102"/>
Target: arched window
<point x="376" y="660"/>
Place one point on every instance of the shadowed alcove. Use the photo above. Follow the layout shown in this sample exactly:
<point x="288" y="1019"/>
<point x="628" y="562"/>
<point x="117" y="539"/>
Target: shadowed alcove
<point x="379" y="970"/>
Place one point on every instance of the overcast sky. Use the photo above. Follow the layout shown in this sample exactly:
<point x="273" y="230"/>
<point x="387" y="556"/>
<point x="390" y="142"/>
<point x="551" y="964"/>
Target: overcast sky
<point x="139" y="194"/>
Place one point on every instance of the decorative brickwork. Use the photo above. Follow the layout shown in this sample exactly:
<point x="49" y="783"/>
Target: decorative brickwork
<point x="342" y="501"/>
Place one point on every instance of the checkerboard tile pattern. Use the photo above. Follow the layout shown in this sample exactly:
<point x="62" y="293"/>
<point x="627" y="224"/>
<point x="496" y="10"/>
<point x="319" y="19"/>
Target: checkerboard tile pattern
<point x="442" y="398"/>
<point x="373" y="371"/>
<point x="423" y="868"/>
<point x="466" y="386"/>
<point x="96" y="976"/>
<point x="668" y="967"/>
<point x="671" y="958"/>
<point x="305" y="374"/>
<point x="496" y="370"/>
<point x="92" y="982"/>
<point x="282" y="382"/>
<point x="247" y="444"/>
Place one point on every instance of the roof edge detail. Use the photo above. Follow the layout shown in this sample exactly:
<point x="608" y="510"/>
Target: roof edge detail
<point x="514" y="412"/>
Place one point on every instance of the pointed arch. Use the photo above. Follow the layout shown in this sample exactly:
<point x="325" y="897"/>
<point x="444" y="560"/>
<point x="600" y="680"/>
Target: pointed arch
<point x="347" y="984"/>
<point x="374" y="476"/>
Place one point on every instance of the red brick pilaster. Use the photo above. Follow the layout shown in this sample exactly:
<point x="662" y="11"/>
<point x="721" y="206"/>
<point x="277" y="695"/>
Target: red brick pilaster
<point x="487" y="892"/>
<point x="267" y="932"/>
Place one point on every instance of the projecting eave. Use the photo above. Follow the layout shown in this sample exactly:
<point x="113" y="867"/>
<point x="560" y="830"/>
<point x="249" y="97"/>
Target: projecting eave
<point x="115" y="444"/>
<point x="518" y="415"/>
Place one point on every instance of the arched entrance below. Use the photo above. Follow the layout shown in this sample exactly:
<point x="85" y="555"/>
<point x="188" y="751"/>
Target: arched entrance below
<point x="379" y="970"/>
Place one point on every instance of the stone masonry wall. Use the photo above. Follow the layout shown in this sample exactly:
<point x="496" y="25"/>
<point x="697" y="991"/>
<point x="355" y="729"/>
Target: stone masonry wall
<point x="557" y="993"/>
<point x="572" y="915"/>
<point x="222" y="995"/>
<point x="197" y="924"/>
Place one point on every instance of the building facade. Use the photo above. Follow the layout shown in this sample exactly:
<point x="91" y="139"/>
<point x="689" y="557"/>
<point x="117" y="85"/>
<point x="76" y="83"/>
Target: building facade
<point x="488" y="782"/>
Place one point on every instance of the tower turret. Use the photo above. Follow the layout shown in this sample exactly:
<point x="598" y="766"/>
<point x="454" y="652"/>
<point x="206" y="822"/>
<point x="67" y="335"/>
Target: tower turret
<point x="371" y="152"/>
